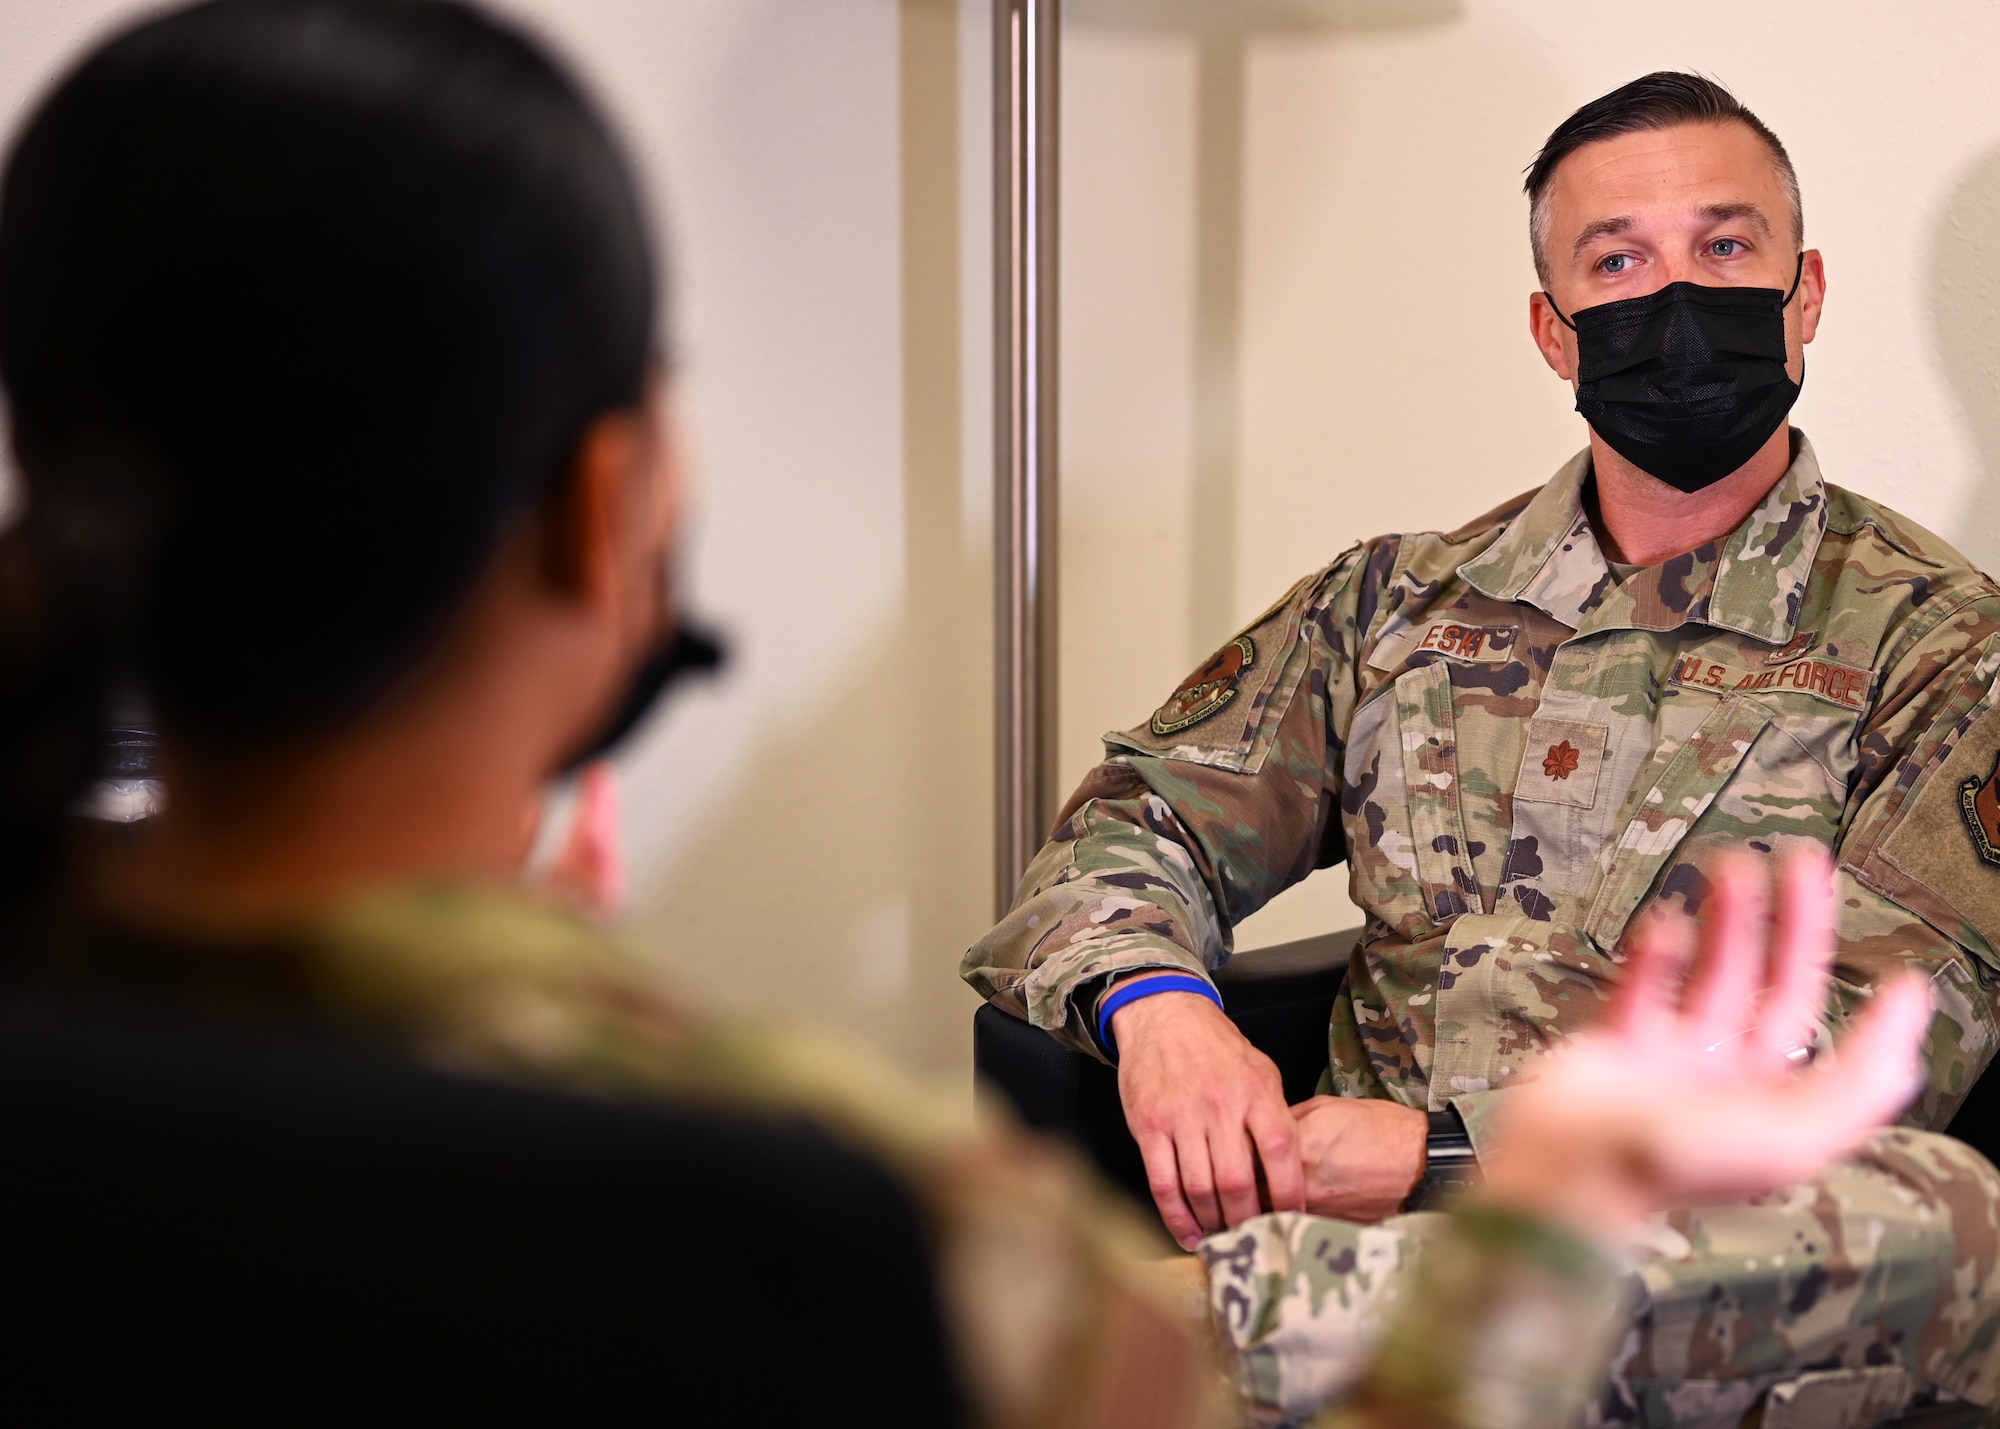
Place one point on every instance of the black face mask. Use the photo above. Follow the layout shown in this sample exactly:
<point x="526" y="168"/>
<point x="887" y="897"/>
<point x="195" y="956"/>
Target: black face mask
<point x="1686" y="383"/>
<point x="688" y="651"/>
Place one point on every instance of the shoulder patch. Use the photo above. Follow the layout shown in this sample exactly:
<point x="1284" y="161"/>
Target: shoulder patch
<point x="1979" y="806"/>
<point x="1941" y="857"/>
<point x="1209" y="690"/>
<point x="1225" y="714"/>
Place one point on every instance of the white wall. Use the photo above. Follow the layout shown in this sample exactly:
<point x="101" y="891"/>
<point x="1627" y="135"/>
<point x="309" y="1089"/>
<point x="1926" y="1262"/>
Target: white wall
<point x="1295" y="275"/>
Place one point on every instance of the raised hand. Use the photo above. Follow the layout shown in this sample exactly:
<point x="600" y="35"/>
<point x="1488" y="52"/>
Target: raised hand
<point x="1706" y="1086"/>
<point x="588" y="866"/>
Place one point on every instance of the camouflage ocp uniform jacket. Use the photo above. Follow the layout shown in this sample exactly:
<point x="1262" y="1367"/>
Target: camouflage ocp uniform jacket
<point x="1059" y="1310"/>
<point x="1515" y="751"/>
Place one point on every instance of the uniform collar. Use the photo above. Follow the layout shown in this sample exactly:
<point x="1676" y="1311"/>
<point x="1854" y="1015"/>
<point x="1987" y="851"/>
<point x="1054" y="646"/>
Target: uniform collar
<point x="1752" y="581"/>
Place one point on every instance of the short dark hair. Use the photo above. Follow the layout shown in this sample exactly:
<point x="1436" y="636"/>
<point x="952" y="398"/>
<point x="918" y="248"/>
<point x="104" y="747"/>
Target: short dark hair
<point x="1659" y="100"/>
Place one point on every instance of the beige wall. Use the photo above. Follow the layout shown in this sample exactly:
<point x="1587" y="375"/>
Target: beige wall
<point x="1295" y="277"/>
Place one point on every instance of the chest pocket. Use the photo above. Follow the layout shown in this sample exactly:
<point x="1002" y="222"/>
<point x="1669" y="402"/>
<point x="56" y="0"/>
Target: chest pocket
<point x="1566" y="798"/>
<point x="1428" y="736"/>
<point x="1686" y="778"/>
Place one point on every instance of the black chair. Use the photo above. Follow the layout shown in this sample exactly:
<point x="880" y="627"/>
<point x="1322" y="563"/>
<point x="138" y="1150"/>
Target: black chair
<point x="1977" y="1121"/>
<point x="1282" y="998"/>
<point x="300" y="1227"/>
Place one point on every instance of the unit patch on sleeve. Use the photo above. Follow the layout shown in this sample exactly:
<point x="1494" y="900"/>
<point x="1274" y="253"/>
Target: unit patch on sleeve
<point x="1209" y="690"/>
<point x="1940" y="858"/>
<point x="1829" y="680"/>
<point x="1979" y="805"/>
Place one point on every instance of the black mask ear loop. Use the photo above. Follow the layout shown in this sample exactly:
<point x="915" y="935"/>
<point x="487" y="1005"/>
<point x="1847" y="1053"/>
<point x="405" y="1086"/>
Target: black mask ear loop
<point x="1798" y="276"/>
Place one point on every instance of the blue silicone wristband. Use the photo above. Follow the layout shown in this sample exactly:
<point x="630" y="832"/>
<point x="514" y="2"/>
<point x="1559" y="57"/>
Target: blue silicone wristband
<point x="1127" y="993"/>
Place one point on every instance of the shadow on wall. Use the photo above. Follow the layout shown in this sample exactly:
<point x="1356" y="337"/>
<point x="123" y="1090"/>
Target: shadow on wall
<point x="1223" y="29"/>
<point x="862" y="924"/>
<point x="1965" y="314"/>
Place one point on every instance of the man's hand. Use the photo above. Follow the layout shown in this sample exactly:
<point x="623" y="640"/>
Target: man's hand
<point x="1697" y="1093"/>
<point x="1362" y="1156"/>
<point x="1207" y="1109"/>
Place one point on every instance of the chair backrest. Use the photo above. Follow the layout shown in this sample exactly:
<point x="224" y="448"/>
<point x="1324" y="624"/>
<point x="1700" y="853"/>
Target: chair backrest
<point x="196" y="1214"/>
<point x="1977" y="1120"/>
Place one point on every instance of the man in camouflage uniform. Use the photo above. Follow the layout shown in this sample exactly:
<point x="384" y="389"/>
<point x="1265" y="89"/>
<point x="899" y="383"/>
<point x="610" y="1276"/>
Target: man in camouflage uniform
<point x="1518" y="735"/>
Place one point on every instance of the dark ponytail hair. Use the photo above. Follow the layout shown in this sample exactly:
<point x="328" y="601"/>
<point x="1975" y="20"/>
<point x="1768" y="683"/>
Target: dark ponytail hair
<point x="303" y="305"/>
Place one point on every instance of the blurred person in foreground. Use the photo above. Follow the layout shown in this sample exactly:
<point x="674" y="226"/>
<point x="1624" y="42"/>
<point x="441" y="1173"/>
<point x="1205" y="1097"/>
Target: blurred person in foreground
<point x="1522" y="735"/>
<point x="333" y="351"/>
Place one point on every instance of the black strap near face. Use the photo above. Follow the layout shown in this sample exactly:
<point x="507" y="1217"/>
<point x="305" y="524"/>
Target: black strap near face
<point x="1798" y="276"/>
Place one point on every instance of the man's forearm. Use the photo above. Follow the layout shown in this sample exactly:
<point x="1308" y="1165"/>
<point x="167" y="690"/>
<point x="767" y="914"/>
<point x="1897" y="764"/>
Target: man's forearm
<point x="1107" y="897"/>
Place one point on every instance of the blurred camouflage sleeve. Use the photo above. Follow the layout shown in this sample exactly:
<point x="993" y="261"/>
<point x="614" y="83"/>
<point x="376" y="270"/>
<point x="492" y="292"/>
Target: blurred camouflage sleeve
<point x="1919" y="854"/>
<point x="1508" y="1322"/>
<point x="1197" y="818"/>
<point x="1054" y="1311"/>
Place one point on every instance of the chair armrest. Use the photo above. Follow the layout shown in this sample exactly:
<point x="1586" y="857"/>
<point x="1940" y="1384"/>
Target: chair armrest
<point x="1977" y="1120"/>
<point x="1039" y="1075"/>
